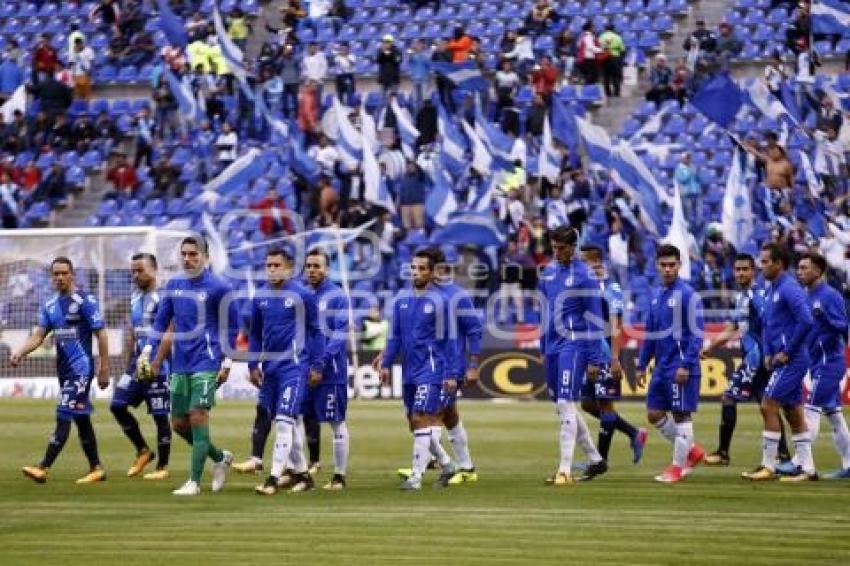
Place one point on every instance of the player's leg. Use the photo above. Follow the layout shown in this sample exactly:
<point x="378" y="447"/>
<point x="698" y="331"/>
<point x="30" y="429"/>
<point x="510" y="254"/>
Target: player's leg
<point x="313" y="438"/>
<point x="158" y="400"/>
<point x="424" y="415"/>
<point x="841" y="438"/>
<point x="181" y="425"/>
<point x="79" y="405"/>
<point x="784" y="465"/>
<point x="460" y="443"/>
<point x="261" y="429"/>
<point x="408" y="394"/>
<point x="728" y="422"/>
<point x="55" y="444"/>
<point x="802" y="440"/>
<point x="771" y="407"/>
<point x="334" y="406"/>
<point x="128" y="393"/>
<point x="288" y="410"/>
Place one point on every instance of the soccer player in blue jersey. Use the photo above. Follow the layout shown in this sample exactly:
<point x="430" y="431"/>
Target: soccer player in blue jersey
<point x="326" y="401"/>
<point x="73" y="316"/>
<point x="787" y="324"/>
<point x="130" y="391"/>
<point x="674" y="333"/>
<point x="287" y="348"/>
<point x="194" y="304"/>
<point x="569" y="344"/>
<point x="419" y="332"/>
<point x="465" y="330"/>
<point x="826" y="349"/>
<point x="598" y="397"/>
<point x="750" y="378"/>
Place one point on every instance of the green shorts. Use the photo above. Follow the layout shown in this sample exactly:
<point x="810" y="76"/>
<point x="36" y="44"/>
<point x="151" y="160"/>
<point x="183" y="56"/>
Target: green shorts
<point x="192" y="391"/>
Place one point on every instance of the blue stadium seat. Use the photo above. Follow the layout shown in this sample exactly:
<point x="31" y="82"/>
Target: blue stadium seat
<point x="251" y="7"/>
<point x="92" y="159"/>
<point x="663" y="24"/>
<point x="106" y="74"/>
<point x="107" y="208"/>
<point x="154" y="207"/>
<point x="176" y="207"/>
<point x="591" y="94"/>
<point x="92" y="221"/>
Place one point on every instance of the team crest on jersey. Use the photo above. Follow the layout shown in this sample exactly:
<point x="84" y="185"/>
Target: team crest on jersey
<point x="150" y="307"/>
<point x="288" y="302"/>
<point x="92" y="299"/>
<point x="568" y="282"/>
<point x="671" y="302"/>
<point x="776" y="297"/>
<point x="323" y="305"/>
<point x="816" y="305"/>
<point x="428" y="308"/>
<point x="73" y="308"/>
<point x="202" y="296"/>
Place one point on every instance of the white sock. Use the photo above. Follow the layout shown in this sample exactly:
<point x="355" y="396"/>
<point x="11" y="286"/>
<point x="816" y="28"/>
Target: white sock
<point x="256" y="461"/>
<point x="683" y="443"/>
<point x="841" y="437"/>
<point x="460" y="443"/>
<point x="812" y="415"/>
<point x="340" y="431"/>
<point x="569" y="430"/>
<point x="667" y="427"/>
<point x="769" y="446"/>
<point x="803" y="451"/>
<point x="297" y="460"/>
<point x="421" y="451"/>
<point x="437" y="448"/>
<point x="585" y="440"/>
<point x="284" y="432"/>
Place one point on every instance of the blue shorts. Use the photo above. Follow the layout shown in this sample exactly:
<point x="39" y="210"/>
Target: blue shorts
<point x="605" y="388"/>
<point x="129" y="391"/>
<point x="826" y="386"/>
<point x="74" y="396"/>
<point x="565" y="374"/>
<point x="785" y="385"/>
<point x="664" y="394"/>
<point x="450" y="399"/>
<point x="428" y="399"/>
<point x="408" y="393"/>
<point x="282" y="393"/>
<point x="326" y="403"/>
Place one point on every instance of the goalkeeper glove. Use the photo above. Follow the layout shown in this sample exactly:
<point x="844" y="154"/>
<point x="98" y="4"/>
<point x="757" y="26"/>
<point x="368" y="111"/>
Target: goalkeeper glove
<point x="143" y="365"/>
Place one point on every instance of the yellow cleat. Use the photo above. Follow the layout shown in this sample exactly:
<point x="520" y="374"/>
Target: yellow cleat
<point x="464" y="476"/>
<point x="760" y="474"/>
<point x="404" y="473"/>
<point x="143" y="459"/>
<point x="560" y="479"/>
<point x="799" y="476"/>
<point x="249" y="466"/>
<point x="93" y="476"/>
<point x="161" y="474"/>
<point x="314" y="468"/>
<point x="270" y="487"/>
<point x="716" y="459"/>
<point x="35" y="473"/>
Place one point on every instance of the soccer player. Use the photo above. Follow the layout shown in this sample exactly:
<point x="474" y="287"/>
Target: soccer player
<point x="826" y="350"/>
<point x="193" y="303"/>
<point x="570" y="346"/>
<point x="674" y="331"/>
<point x="285" y="337"/>
<point x="787" y="323"/>
<point x="750" y="378"/>
<point x="73" y="316"/>
<point x="598" y="397"/>
<point x="419" y="332"/>
<point x="131" y="391"/>
<point x="327" y="401"/>
<point x="465" y="329"/>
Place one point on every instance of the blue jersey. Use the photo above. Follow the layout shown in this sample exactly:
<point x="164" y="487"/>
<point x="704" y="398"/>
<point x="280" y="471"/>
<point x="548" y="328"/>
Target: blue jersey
<point x="748" y="319"/>
<point x="73" y="319"/>
<point x="612" y="306"/>
<point x="826" y="340"/>
<point x="419" y="332"/>
<point x="285" y="329"/>
<point x="143" y="309"/>
<point x="192" y="304"/>
<point x="464" y="328"/>
<point x="574" y="301"/>
<point x="675" y="317"/>
<point x="333" y="308"/>
<point x="787" y="319"/>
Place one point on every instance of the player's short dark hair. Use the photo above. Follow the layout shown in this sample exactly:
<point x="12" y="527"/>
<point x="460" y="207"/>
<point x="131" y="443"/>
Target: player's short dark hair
<point x="64" y="261"/>
<point x="145" y="256"/>
<point x="668" y="250"/>
<point x="198" y="241"/>
<point x="437" y="254"/>
<point x="777" y="253"/>
<point x="428" y="254"/>
<point x="564" y="235"/>
<point x="817" y="260"/>
<point x="746" y="257"/>
<point x="321" y="252"/>
<point x="592" y="250"/>
<point x="280" y="252"/>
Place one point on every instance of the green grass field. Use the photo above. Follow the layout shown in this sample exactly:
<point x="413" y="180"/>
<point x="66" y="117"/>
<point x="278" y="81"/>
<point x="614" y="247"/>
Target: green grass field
<point x="508" y="517"/>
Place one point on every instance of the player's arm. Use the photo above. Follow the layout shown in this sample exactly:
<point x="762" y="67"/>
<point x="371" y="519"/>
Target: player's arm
<point x="546" y="312"/>
<point x="231" y="329"/>
<point x="647" y="349"/>
<point x="255" y="343"/>
<point x="129" y="349"/>
<point x="593" y="313"/>
<point x="730" y="332"/>
<point x="616" y="348"/>
<point x="337" y="341"/>
<point x="315" y="340"/>
<point x="36" y="339"/>
<point x="393" y="345"/>
<point x="695" y="333"/>
<point x="834" y="313"/>
<point x="803" y="323"/>
<point x="102" y="358"/>
<point x="471" y="330"/>
<point x="161" y="323"/>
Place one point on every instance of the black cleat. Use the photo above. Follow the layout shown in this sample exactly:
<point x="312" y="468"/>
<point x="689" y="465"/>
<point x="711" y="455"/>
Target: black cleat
<point x="593" y="470"/>
<point x="303" y="482"/>
<point x="337" y="483"/>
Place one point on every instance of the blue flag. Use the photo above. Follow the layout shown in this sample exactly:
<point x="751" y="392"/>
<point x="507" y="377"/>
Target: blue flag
<point x="789" y="100"/>
<point x="453" y="145"/>
<point x="172" y="26"/>
<point x="188" y="104"/>
<point x="441" y="201"/>
<point x="465" y="76"/>
<point x="564" y="128"/>
<point x="303" y="164"/>
<point x="632" y="175"/>
<point x="240" y="173"/>
<point x="830" y="17"/>
<point x="719" y="100"/>
<point x="476" y="228"/>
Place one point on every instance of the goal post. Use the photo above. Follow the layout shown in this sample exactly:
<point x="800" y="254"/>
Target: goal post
<point x="101" y="258"/>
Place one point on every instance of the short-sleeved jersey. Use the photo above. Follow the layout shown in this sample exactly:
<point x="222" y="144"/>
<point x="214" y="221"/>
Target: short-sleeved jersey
<point x="72" y="319"/>
<point x="143" y="307"/>
<point x="748" y="317"/>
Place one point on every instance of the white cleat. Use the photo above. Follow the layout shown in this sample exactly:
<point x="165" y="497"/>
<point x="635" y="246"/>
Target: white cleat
<point x="219" y="471"/>
<point x="189" y="488"/>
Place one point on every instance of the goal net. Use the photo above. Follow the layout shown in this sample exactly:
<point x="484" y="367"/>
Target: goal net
<point x="101" y="258"/>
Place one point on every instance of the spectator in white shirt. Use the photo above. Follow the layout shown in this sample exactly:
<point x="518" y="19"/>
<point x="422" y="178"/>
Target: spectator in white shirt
<point x="344" y="61"/>
<point x="227" y="144"/>
<point x="314" y="66"/>
<point x="326" y="155"/>
<point x="81" y="60"/>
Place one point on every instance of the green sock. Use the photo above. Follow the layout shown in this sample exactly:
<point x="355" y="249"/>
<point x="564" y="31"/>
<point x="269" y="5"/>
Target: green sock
<point x="185" y="435"/>
<point x="212" y="452"/>
<point x="200" y="449"/>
